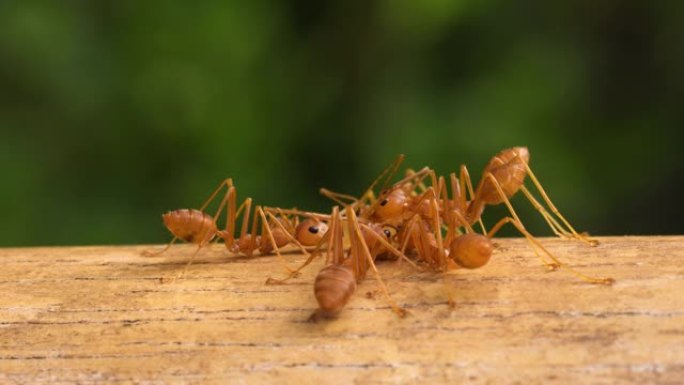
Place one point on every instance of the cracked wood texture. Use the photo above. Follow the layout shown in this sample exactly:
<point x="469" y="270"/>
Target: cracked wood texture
<point x="101" y="315"/>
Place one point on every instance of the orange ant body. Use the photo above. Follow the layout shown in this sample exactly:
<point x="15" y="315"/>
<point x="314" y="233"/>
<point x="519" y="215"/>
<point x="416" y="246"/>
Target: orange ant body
<point x="347" y="264"/>
<point x="400" y="202"/>
<point x="415" y="215"/>
<point x="197" y="227"/>
<point x="336" y="283"/>
<point x="191" y="225"/>
<point x="420" y="216"/>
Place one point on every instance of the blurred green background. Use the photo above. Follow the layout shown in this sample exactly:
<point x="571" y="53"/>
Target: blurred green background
<point x="112" y="112"/>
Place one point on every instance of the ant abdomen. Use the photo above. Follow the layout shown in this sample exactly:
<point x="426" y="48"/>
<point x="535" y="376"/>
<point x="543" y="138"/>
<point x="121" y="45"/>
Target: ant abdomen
<point x="471" y="250"/>
<point x="508" y="168"/>
<point x="333" y="288"/>
<point x="190" y="225"/>
<point x="280" y="237"/>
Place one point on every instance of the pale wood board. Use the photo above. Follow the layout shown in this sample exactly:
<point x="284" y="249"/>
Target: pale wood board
<point x="100" y="315"/>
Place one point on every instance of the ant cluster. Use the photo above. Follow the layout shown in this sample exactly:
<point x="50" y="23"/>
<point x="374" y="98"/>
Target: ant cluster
<point x="425" y="219"/>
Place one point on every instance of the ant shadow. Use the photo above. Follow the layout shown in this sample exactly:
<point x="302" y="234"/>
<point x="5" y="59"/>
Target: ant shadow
<point x="178" y="256"/>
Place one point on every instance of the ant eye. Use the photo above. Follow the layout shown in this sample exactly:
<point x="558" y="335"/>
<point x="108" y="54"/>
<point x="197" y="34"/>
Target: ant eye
<point x="313" y="229"/>
<point x="384" y="202"/>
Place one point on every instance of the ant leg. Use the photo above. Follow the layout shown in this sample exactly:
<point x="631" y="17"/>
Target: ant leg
<point x="226" y="182"/>
<point x="308" y="214"/>
<point x="436" y="183"/>
<point x="553" y="265"/>
<point x="418" y="176"/>
<point x="267" y="229"/>
<point x="463" y="222"/>
<point x="438" y="234"/>
<point x="288" y="233"/>
<point x="364" y="203"/>
<point x="147" y="253"/>
<point x="408" y="234"/>
<point x="388" y="245"/>
<point x="368" y="194"/>
<point x="253" y="234"/>
<point x="419" y="245"/>
<point x="550" y="265"/>
<point x="338" y="197"/>
<point x="387" y="174"/>
<point x="336" y="244"/>
<point x="267" y="233"/>
<point x="442" y="198"/>
<point x="465" y="179"/>
<point x="353" y="225"/>
<point x="325" y="240"/>
<point x="231" y="215"/>
<point x="550" y="220"/>
<point x="451" y="265"/>
<point x="422" y="244"/>
<point x="446" y="264"/>
<point x="536" y="243"/>
<point x="315" y="253"/>
<point x="192" y="258"/>
<point x="430" y="195"/>
<point x="458" y="199"/>
<point x="515" y="221"/>
<point x="290" y="225"/>
<point x="172" y="278"/>
<point x="420" y="185"/>
<point x="250" y="238"/>
<point x="415" y="179"/>
<point x="247" y="204"/>
<point x="554" y="210"/>
<point x="449" y="212"/>
<point x="282" y="212"/>
<point x="368" y="197"/>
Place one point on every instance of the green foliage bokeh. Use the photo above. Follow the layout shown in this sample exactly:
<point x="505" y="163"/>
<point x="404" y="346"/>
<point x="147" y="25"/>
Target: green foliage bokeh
<point x="112" y="112"/>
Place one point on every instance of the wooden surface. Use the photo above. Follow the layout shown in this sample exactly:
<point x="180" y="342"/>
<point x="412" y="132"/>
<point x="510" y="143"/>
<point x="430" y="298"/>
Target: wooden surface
<point x="100" y="315"/>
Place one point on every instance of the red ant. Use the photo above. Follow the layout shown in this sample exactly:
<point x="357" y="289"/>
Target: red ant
<point x="197" y="227"/>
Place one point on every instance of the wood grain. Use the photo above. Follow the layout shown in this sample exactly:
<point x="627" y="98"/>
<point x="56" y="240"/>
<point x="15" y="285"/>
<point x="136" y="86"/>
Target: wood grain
<point x="101" y="315"/>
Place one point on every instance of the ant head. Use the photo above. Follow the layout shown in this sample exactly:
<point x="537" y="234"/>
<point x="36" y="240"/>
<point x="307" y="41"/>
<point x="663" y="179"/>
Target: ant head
<point x="310" y="231"/>
<point x="391" y="204"/>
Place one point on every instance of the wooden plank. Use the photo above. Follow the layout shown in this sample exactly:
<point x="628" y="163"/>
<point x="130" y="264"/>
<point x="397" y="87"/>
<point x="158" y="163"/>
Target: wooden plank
<point x="101" y="315"/>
